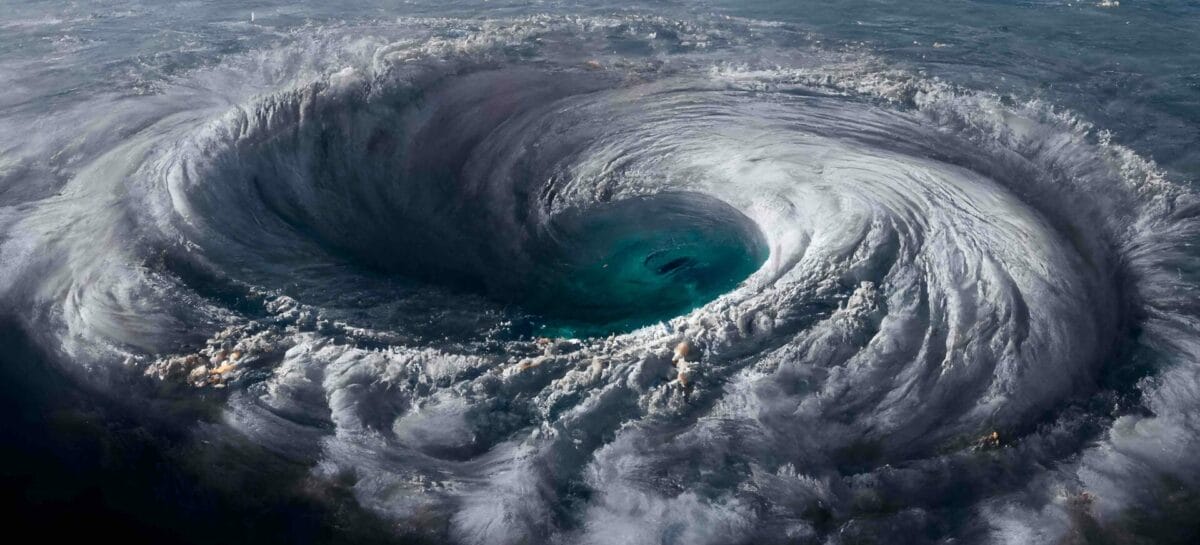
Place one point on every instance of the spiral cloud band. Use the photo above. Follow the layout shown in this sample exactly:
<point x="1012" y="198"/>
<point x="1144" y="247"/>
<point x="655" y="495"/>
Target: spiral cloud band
<point x="605" y="280"/>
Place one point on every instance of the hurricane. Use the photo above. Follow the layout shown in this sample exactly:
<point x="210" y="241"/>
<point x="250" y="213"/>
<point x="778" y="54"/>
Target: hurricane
<point x="606" y="277"/>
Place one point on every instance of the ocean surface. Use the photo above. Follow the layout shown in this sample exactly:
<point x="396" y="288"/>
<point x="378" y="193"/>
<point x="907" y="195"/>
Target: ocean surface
<point x="493" y="273"/>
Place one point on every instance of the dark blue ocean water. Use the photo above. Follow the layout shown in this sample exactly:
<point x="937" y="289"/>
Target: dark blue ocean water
<point x="1131" y="67"/>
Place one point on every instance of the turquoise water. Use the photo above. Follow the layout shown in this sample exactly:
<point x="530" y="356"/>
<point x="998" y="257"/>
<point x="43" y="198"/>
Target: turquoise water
<point x="637" y="262"/>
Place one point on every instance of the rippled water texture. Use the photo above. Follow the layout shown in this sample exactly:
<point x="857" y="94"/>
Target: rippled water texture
<point x="610" y="277"/>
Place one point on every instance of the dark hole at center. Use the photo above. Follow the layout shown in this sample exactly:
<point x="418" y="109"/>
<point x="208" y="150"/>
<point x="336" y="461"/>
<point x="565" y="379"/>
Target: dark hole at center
<point x="672" y="265"/>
